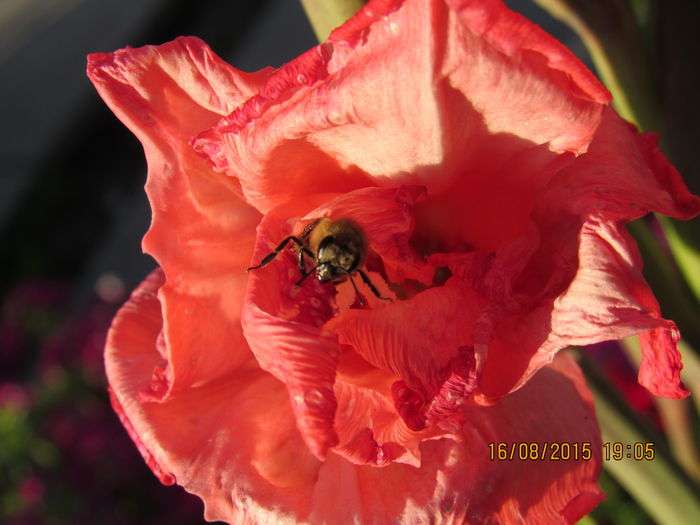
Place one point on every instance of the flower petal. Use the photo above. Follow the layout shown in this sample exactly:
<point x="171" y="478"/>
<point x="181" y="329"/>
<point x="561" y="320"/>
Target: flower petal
<point x="232" y="442"/>
<point x="582" y="281"/>
<point x="623" y="176"/>
<point x="236" y="446"/>
<point x="575" y="493"/>
<point x="202" y="232"/>
<point x="369" y="429"/>
<point x="417" y="340"/>
<point x="458" y="483"/>
<point x="607" y="298"/>
<point x="284" y="324"/>
<point x="484" y="81"/>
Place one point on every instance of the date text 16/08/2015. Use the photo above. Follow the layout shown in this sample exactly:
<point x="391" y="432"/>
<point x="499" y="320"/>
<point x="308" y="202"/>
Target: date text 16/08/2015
<point x="569" y="451"/>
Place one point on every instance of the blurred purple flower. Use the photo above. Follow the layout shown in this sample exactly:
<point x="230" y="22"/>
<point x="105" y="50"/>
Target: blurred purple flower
<point x="27" y="313"/>
<point x="93" y="466"/>
<point x="14" y="395"/>
<point x="31" y="490"/>
<point x="623" y="376"/>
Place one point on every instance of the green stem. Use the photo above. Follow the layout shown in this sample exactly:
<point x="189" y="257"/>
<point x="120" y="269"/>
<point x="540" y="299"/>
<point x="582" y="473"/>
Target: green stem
<point x="691" y="372"/>
<point x="685" y="250"/>
<point x="653" y="484"/>
<point x="326" y="15"/>
<point x="658" y="485"/>
<point x="609" y="32"/>
<point x="674" y="296"/>
<point x="676" y="415"/>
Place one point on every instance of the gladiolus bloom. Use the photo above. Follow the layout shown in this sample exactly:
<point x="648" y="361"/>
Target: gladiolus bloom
<point x="492" y="181"/>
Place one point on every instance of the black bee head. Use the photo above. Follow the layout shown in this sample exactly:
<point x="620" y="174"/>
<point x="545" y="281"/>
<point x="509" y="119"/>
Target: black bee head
<point x="325" y="272"/>
<point x="338" y="258"/>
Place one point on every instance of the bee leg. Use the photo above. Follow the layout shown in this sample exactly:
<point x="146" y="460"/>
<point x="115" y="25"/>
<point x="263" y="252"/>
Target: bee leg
<point x="305" y="235"/>
<point x="304" y="276"/>
<point x="301" y="263"/>
<point x="359" y="298"/>
<point x="371" y="286"/>
<point x="270" y="256"/>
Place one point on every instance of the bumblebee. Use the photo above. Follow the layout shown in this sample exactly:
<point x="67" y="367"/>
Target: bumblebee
<point x="337" y="248"/>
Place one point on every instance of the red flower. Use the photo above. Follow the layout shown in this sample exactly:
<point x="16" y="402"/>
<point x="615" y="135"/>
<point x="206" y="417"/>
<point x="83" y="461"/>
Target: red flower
<point x="492" y="182"/>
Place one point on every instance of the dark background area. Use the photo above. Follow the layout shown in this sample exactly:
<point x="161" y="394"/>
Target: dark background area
<point x="72" y="214"/>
